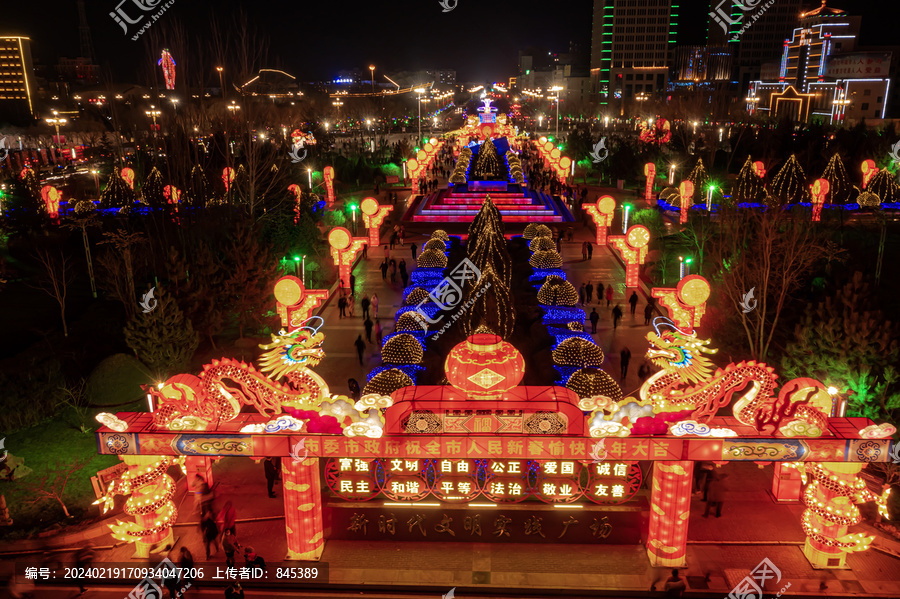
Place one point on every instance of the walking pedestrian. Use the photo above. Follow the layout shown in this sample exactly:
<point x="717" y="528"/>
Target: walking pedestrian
<point x="368" y="324"/>
<point x="675" y="585"/>
<point x="393" y="265"/>
<point x="617" y="314"/>
<point x="186" y="563"/>
<point x="364" y="304"/>
<point x="702" y="472"/>
<point x="227" y="518"/>
<point x="229" y="545"/>
<point x="203" y="495"/>
<point x="351" y="302"/>
<point x="360" y="348"/>
<point x="581" y="294"/>
<point x="342" y="306"/>
<point x="402" y="234"/>
<point x="584" y="251"/>
<point x="404" y="276"/>
<point x="384" y="268"/>
<point x="271" y="471"/>
<point x="648" y="313"/>
<point x="210" y="532"/>
<point x="633" y="300"/>
<point x="609" y="294"/>
<point x="599" y="292"/>
<point x="375" y="305"/>
<point x="393" y="239"/>
<point x="413" y="247"/>
<point x="594" y="319"/>
<point x="353" y="386"/>
<point x="715" y="494"/>
<point x="352" y="283"/>
<point x="84" y="558"/>
<point x="590" y="247"/>
<point x="387" y="254"/>
<point x="625" y="356"/>
<point x="589" y="292"/>
<point x="253" y="559"/>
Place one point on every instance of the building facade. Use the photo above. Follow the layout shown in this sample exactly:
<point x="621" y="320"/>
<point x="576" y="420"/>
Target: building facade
<point x="17" y="84"/>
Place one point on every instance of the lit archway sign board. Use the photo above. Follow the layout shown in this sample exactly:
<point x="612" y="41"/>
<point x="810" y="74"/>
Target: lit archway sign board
<point x="408" y="479"/>
<point x="355" y="479"/>
<point x="456" y="480"/>
<point x="557" y="481"/>
<point x="506" y="481"/>
<point x="612" y="483"/>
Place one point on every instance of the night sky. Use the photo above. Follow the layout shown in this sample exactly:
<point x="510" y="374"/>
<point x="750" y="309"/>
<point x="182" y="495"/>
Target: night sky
<point x="313" y="40"/>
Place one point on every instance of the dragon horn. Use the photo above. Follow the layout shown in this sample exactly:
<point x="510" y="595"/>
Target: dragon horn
<point x="663" y="321"/>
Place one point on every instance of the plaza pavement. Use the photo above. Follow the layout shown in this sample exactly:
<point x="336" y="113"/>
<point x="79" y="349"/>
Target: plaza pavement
<point x="720" y="551"/>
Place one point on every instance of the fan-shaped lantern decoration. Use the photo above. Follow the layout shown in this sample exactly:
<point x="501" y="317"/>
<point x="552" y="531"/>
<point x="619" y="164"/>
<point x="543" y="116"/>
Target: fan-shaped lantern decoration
<point x="577" y="351"/>
<point x="431" y="259"/>
<point x="484" y="366"/>
<point x="410" y="322"/>
<point x="440" y="234"/>
<point x="556" y="291"/>
<point x="435" y="244"/>
<point x="543" y="231"/>
<point x="530" y="231"/>
<point x="548" y="259"/>
<point x="402" y="349"/>
<point x="388" y="381"/>
<point x="541" y="244"/>
<point x="589" y="382"/>
<point x="415" y="296"/>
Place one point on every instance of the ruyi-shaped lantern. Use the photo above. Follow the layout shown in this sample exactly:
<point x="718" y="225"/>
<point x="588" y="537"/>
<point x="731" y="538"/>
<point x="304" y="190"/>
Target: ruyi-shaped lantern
<point x="295" y="302"/>
<point x="686" y="191"/>
<point x="819" y="190"/>
<point x="227" y="177"/>
<point x="760" y="169"/>
<point x="172" y="195"/>
<point x="373" y="215"/>
<point x="650" y="173"/>
<point x="127" y="175"/>
<point x="869" y="170"/>
<point x="329" y="186"/>
<point x="686" y="303"/>
<point x="633" y="248"/>
<point x="602" y="213"/>
<point x="51" y="197"/>
<point x="343" y="249"/>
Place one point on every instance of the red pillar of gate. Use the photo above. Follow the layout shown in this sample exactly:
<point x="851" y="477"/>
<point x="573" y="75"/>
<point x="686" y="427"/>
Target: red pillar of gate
<point x="786" y="483"/>
<point x="303" y="509"/>
<point x="139" y="466"/>
<point x="670" y="507"/>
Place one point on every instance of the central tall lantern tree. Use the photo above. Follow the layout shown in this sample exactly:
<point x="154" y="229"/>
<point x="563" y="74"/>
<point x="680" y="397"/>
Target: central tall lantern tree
<point x="491" y="308"/>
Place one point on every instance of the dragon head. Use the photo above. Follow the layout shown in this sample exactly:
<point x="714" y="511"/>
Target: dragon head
<point x="678" y="352"/>
<point x="292" y="352"/>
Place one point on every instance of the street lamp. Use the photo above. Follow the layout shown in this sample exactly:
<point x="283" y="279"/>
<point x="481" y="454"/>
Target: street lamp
<point x="309" y="173"/>
<point x="709" y="193"/>
<point x="420" y="91"/>
<point x="56" y="121"/>
<point x="153" y="113"/>
<point x="695" y="127"/>
<point x="174" y="104"/>
<point x="606" y="121"/>
<point x="540" y="121"/>
<point x="221" y="81"/>
<point x="721" y="131"/>
<point x="353" y="212"/>
<point x="372" y="69"/>
<point x="233" y="107"/>
<point x="96" y="174"/>
<point x="556" y="89"/>
<point x="627" y="210"/>
<point x="671" y="174"/>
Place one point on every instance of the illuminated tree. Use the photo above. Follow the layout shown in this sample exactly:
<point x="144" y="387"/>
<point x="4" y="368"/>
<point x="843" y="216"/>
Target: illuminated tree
<point x="487" y="163"/>
<point x="845" y="341"/>
<point x="117" y="193"/>
<point x="749" y="187"/>
<point x="492" y="309"/>
<point x="200" y="193"/>
<point x="700" y="178"/>
<point x="486" y="245"/>
<point x="163" y="339"/>
<point x="841" y="190"/>
<point x="152" y="189"/>
<point x="789" y="185"/>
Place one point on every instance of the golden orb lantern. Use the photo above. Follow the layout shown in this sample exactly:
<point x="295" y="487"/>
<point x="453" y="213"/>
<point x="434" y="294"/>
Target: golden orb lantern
<point x="484" y="366"/>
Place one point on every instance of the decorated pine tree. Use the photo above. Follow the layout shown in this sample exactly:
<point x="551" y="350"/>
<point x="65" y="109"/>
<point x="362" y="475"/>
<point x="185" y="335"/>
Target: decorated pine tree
<point x="240" y="185"/>
<point x="486" y="245"/>
<point x="847" y="342"/>
<point x="162" y="338"/>
<point x="700" y="178"/>
<point x="789" y="185"/>
<point x="841" y="190"/>
<point x="884" y="186"/>
<point x="492" y="309"/>
<point x="200" y="193"/>
<point x="117" y="193"/>
<point x="487" y="163"/>
<point x="748" y="187"/>
<point x="152" y="190"/>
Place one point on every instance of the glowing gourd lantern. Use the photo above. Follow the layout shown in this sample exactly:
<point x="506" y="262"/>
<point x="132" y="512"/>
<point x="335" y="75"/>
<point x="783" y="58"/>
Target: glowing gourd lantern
<point x="373" y="215"/>
<point x="172" y="194"/>
<point x="650" y="173"/>
<point x="127" y="175"/>
<point x="343" y="249"/>
<point x="51" y="197"/>
<point x="602" y="213"/>
<point x="227" y="177"/>
<point x="819" y="190"/>
<point x="760" y="169"/>
<point x="633" y="248"/>
<point x="868" y="170"/>
<point x="686" y="191"/>
<point x="484" y="366"/>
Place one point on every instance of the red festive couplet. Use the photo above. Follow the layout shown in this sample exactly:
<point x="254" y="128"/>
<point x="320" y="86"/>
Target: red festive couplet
<point x="670" y="504"/>
<point x="633" y="248"/>
<point x="686" y="303"/>
<point x="601" y="213"/>
<point x="343" y="249"/>
<point x="686" y="191"/>
<point x="650" y="173"/>
<point x="303" y="508"/>
<point x="786" y="483"/>
<point x="819" y="191"/>
<point x="373" y="216"/>
<point x="760" y="169"/>
<point x="295" y="303"/>
<point x="868" y="170"/>
<point x="329" y="185"/>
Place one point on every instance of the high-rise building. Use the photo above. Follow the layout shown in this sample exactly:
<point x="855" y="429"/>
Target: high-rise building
<point x="17" y="86"/>
<point x="702" y="63"/>
<point x="631" y="47"/>
<point x="755" y="34"/>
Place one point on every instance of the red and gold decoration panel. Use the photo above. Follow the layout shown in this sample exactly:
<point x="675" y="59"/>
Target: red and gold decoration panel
<point x="408" y="479"/>
<point x="602" y="213"/>
<point x="632" y="247"/>
<point x="295" y="303"/>
<point x="670" y="504"/>
<point x="557" y="481"/>
<point x="373" y="215"/>
<point x="686" y="304"/>
<point x="344" y="248"/>
<point x="506" y="480"/>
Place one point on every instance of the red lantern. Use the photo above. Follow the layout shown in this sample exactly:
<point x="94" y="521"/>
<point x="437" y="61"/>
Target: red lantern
<point x="484" y="366"/>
